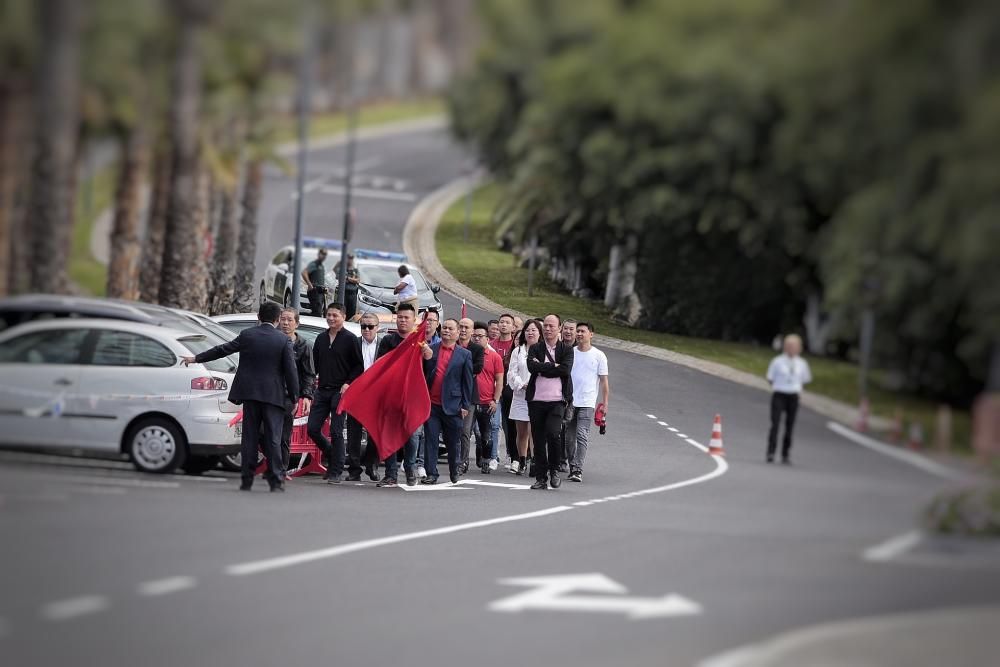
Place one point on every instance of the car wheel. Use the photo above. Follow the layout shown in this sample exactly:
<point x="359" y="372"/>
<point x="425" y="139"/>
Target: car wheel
<point x="156" y="445"/>
<point x="234" y="462"/>
<point x="263" y="294"/>
<point x="231" y="462"/>
<point x="287" y="301"/>
<point x="197" y="465"/>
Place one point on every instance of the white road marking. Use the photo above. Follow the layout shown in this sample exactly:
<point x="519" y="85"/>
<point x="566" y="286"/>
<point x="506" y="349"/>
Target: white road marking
<point x="166" y="586"/>
<point x="442" y="486"/>
<point x="892" y="548"/>
<point x="256" y="567"/>
<point x="681" y="435"/>
<point x="554" y="593"/>
<point x="696" y="444"/>
<point x="651" y="416"/>
<point x="672" y="429"/>
<point x="369" y="193"/>
<point x="64" y="610"/>
<point x="292" y="560"/>
<point x="582" y="503"/>
<point x="663" y="424"/>
<point x="101" y="490"/>
<point x="914" y="459"/>
<point x="501" y="485"/>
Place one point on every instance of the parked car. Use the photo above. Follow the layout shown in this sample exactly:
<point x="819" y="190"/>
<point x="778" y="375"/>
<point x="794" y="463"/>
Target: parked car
<point x="378" y="274"/>
<point x="309" y="327"/>
<point x="110" y="385"/>
<point x="276" y="284"/>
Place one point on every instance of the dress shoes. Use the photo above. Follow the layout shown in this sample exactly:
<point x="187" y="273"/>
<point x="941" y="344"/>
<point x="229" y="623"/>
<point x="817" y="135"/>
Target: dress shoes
<point x="277" y="488"/>
<point x="372" y="474"/>
<point x="354" y="478"/>
<point x="429" y="480"/>
<point x="554" y="481"/>
<point x="246" y="486"/>
<point x="411" y="480"/>
<point x="540" y="484"/>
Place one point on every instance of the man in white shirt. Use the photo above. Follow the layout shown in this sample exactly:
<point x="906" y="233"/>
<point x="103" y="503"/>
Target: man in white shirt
<point x="369" y="347"/>
<point x="590" y="381"/>
<point x="788" y="373"/>
<point x="406" y="290"/>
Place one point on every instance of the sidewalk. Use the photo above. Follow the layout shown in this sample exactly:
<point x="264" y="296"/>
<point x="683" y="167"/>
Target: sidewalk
<point x="419" y="245"/>
<point x="952" y="637"/>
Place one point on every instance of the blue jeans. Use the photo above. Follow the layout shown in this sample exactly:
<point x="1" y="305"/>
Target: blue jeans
<point x="451" y="426"/>
<point x="325" y="405"/>
<point x="495" y="435"/>
<point x="409" y="458"/>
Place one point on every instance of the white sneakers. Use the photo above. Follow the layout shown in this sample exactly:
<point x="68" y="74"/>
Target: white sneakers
<point x="494" y="464"/>
<point x="515" y="466"/>
<point x="421" y="473"/>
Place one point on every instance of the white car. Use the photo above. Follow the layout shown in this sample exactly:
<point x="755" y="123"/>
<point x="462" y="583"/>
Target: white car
<point x="115" y="386"/>
<point x="276" y="285"/>
<point x="309" y="327"/>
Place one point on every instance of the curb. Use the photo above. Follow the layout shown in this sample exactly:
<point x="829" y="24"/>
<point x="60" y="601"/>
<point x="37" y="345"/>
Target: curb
<point x="419" y="245"/>
<point x="100" y="234"/>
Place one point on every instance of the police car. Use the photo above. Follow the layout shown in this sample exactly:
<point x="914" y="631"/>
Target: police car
<point x="377" y="271"/>
<point x="276" y="285"/>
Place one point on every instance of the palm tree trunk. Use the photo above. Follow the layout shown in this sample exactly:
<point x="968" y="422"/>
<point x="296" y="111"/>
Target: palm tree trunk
<point x="223" y="260"/>
<point x="14" y="104"/>
<point x="183" y="246"/>
<point x="50" y="205"/>
<point x="246" y="258"/>
<point x="156" y="228"/>
<point x="123" y="269"/>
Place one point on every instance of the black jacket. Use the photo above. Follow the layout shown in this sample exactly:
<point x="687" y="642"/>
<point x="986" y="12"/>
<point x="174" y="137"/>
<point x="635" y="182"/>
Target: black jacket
<point x="267" y="366"/>
<point x="388" y="343"/>
<point x="539" y="364"/>
<point x="478" y="362"/>
<point x="305" y="367"/>
<point x="338" y="362"/>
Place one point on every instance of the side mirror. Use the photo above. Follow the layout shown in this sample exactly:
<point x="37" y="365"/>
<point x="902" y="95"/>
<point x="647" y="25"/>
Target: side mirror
<point x="435" y="288"/>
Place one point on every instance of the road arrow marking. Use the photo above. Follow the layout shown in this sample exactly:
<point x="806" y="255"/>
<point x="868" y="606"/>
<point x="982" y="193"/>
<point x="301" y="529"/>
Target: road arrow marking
<point x="555" y="594"/>
<point x="443" y="486"/>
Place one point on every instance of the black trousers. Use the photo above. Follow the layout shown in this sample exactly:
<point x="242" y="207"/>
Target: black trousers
<point x="782" y="403"/>
<point x="286" y="433"/>
<point x="325" y="405"/>
<point x="508" y="427"/>
<point x="355" y="460"/>
<point x="351" y="301"/>
<point x="261" y="428"/>
<point x="316" y="298"/>
<point x="546" y="426"/>
<point x="484" y="422"/>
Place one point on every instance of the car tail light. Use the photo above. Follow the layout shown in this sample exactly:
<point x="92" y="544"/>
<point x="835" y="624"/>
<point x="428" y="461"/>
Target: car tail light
<point x="209" y="384"/>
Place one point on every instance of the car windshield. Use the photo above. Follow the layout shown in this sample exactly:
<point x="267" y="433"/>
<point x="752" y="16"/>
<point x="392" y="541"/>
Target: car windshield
<point x="199" y="344"/>
<point x="377" y="275"/>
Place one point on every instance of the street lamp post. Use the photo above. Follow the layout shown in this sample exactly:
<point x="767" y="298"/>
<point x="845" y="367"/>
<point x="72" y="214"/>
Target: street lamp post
<point x="352" y="126"/>
<point x="305" y="103"/>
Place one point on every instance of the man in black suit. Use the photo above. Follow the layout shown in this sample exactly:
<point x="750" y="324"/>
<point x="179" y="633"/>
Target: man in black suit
<point x="449" y="377"/>
<point x="550" y="362"/>
<point x="265" y="380"/>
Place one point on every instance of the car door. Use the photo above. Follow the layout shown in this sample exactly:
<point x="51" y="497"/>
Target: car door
<point x="41" y="394"/>
<point x="130" y="374"/>
<point x="282" y="269"/>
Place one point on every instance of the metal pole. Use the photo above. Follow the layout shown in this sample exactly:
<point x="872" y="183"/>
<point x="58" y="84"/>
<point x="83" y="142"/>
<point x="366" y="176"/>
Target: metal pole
<point x="305" y="103"/>
<point x="531" y="263"/>
<point x="352" y="125"/>
<point x="468" y="205"/>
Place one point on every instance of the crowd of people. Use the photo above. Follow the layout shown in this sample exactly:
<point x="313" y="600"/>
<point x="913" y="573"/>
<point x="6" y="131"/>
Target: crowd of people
<point x="534" y="384"/>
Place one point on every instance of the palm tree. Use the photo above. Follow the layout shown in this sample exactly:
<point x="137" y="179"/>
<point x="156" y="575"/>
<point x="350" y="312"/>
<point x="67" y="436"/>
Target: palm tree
<point x="123" y="268"/>
<point x="50" y="207"/>
<point x="151" y="267"/>
<point x="184" y="247"/>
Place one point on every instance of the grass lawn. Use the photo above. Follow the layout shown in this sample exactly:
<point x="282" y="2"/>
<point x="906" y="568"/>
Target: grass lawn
<point x="91" y="276"/>
<point x="480" y="265"/>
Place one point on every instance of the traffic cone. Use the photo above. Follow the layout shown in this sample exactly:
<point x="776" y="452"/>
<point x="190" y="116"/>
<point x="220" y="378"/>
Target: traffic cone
<point x="715" y="444"/>
<point x="916" y="440"/>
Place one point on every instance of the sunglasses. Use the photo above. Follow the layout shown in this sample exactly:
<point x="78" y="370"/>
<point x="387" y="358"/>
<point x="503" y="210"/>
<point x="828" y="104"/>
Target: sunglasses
<point x="368" y="327"/>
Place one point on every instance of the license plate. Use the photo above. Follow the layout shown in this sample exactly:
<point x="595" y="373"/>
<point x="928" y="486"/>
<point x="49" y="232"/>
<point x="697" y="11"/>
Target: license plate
<point x="239" y="430"/>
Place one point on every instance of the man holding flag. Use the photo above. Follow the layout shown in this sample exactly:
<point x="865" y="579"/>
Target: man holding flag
<point x="391" y="400"/>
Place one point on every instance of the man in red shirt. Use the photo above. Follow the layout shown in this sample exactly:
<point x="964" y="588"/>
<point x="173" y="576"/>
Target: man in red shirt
<point x="490" y="384"/>
<point x="449" y="376"/>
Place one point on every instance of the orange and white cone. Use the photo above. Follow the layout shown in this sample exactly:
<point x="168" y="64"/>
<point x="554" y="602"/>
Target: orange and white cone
<point x="715" y="444"/>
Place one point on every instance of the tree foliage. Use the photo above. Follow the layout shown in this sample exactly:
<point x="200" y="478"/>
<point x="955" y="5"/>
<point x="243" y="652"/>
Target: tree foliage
<point x="765" y="153"/>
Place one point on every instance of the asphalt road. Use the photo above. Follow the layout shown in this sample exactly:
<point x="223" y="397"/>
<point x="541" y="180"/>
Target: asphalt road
<point x="103" y="565"/>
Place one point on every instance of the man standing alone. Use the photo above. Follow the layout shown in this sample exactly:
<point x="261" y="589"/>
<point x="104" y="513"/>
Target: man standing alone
<point x="590" y="387"/>
<point x="265" y="380"/>
<point x="550" y="362"/>
<point x="337" y="355"/>
<point x="788" y="373"/>
<point x="314" y="276"/>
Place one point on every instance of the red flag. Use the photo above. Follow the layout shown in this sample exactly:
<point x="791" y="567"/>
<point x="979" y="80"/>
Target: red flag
<point x="391" y="399"/>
